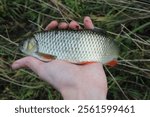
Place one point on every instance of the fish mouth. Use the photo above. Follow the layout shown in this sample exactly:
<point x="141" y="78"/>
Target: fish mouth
<point x="21" y="43"/>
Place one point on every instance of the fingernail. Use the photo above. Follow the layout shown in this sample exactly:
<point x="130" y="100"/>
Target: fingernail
<point x="15" y="66"/>
<point x="47" y="27"/>
<point x="87" y="18"/>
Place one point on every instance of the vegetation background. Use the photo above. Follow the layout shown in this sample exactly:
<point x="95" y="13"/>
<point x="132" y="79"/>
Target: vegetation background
<point x="128" y="22"/>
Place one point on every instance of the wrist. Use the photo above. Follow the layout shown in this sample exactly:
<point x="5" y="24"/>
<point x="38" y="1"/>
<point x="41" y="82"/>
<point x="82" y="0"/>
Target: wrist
<point x="92" y="93"/>
<point x="83" y="93"/>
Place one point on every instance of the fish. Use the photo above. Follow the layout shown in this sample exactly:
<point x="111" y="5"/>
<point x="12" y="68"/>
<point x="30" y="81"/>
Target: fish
<point x="82" y="46"/>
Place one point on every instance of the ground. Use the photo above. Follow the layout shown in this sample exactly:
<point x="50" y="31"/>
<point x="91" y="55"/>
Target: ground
<point x="126" y="21"/>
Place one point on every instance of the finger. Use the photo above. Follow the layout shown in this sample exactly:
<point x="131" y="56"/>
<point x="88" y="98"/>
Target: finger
<point x="88" y="24"/>
<point x="52" y="25"/>
<point x="28" y="62"/>
<point x="74" y="25"/>
<point x="63" y="25"/>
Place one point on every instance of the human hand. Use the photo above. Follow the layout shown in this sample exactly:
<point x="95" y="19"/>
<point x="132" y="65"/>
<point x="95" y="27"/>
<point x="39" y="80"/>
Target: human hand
<point x="72" y="81"/>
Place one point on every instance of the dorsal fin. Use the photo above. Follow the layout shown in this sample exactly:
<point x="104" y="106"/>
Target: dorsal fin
<point x="100" y="31"/>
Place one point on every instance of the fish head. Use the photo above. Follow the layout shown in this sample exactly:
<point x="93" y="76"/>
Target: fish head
<point x="29" y="46"/>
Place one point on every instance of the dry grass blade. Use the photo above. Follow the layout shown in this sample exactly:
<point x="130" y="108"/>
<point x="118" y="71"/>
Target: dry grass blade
<point x="18" y="84"/>
<point x="117" y="83"/>
<point x="47" y="15"/>
<point x="9" y="40"/>
<point x="64" y="10"/>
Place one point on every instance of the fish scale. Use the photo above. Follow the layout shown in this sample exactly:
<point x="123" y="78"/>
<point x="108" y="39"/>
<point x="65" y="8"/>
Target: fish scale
<point x="76" y="45"/>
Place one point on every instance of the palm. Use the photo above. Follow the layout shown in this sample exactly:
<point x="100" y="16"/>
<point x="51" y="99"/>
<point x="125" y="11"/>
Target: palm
<point x="66" y="74"/>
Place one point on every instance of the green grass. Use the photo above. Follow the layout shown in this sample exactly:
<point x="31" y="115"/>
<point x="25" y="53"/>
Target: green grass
<point x="127" y="21"/>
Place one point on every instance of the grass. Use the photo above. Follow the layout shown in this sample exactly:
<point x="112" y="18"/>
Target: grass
<point x="127" y="21"/>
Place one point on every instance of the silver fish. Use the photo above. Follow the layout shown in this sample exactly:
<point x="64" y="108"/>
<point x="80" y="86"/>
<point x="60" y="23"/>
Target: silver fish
<point x="75" y="46"/>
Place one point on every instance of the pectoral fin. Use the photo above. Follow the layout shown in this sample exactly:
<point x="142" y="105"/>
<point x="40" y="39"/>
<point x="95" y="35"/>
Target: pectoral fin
<point x="44" y="57"/>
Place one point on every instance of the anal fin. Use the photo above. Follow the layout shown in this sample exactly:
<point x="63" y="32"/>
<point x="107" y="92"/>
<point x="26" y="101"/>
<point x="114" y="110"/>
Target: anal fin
<point x="112" y="63"/>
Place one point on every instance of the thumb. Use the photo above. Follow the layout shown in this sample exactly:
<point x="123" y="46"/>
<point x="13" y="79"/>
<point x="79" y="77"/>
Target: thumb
<point x="28" y="62"/>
